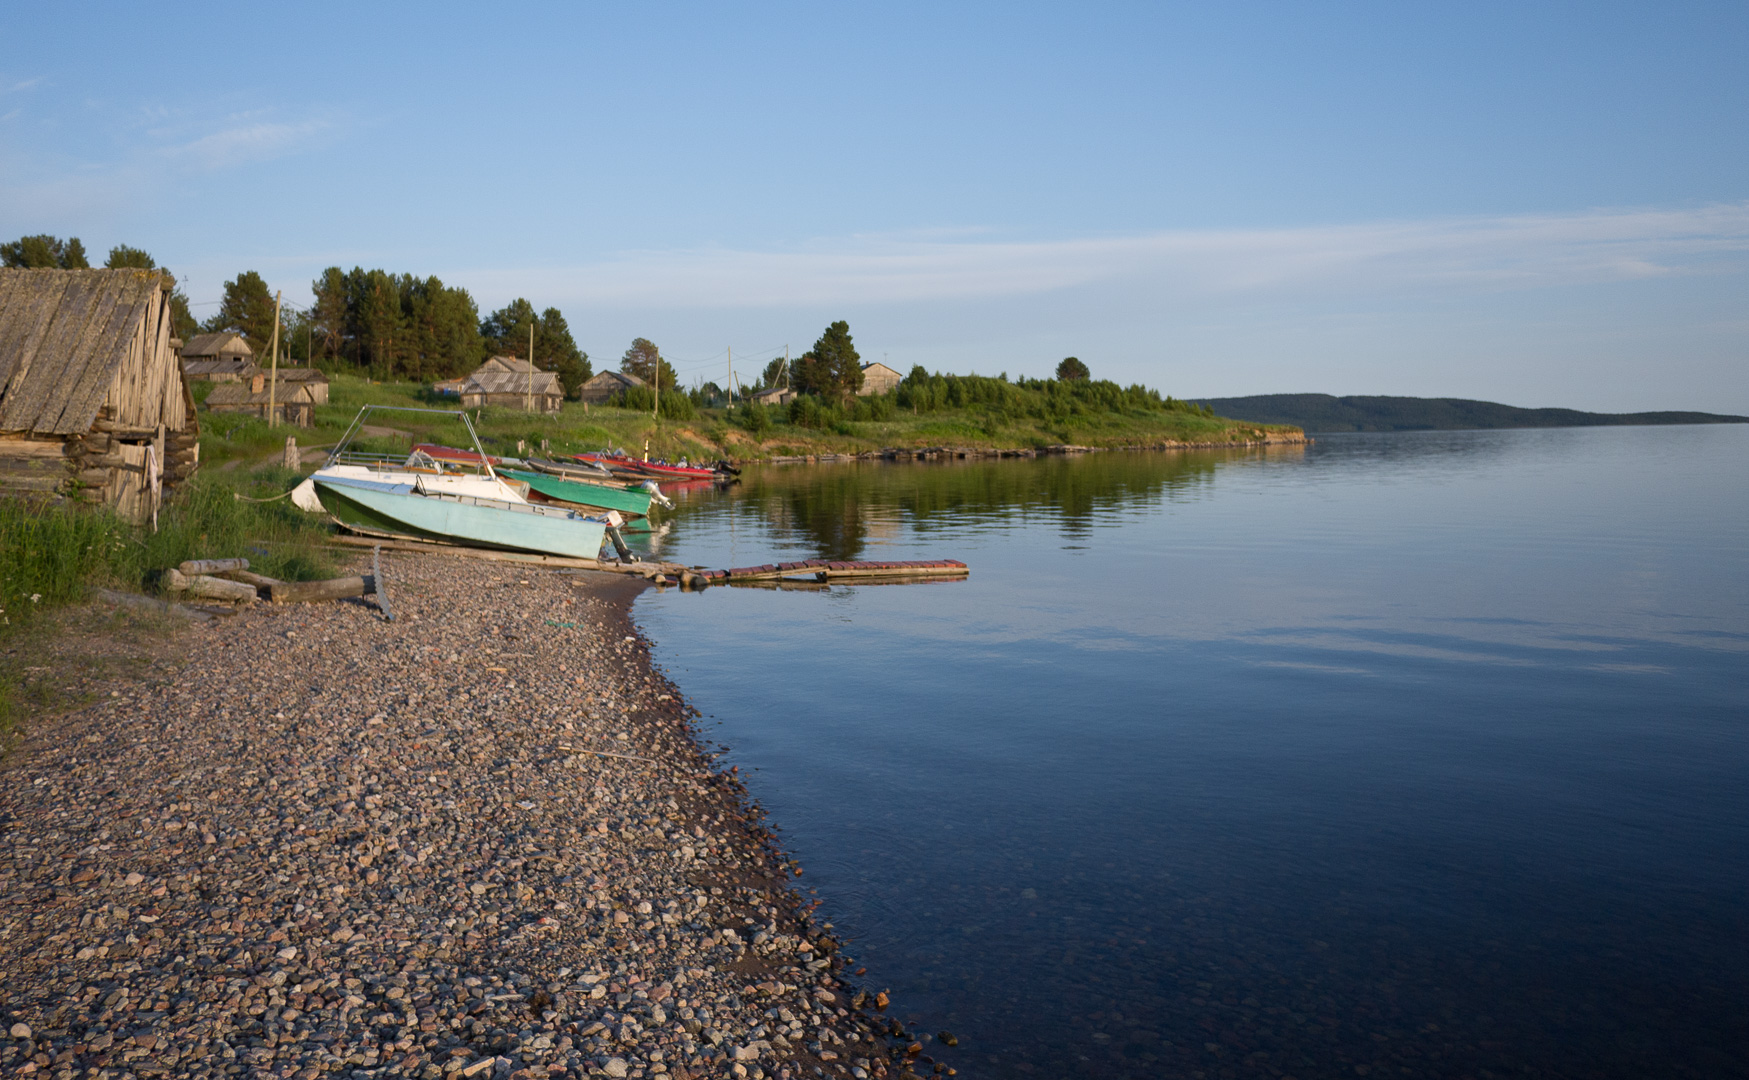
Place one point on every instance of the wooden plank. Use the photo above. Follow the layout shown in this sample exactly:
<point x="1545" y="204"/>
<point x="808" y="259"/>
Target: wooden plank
<point x="27" y="399"/>
<point x="61" y="410"/>
<point x="24" y="335"/>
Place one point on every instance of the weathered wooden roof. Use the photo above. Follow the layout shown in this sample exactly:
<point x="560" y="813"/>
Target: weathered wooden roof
<point x="512" y="382"/>
<point x="228" y="365"/>
<point x="63" y="336"/>
<point x="504" y="363"/>
<point x="623" y="378"/>
<point x="302" y="374"/>
<point x="226" y="343"/>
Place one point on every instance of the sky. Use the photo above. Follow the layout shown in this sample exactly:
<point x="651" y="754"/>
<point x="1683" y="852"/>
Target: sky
<point x="1541" y="204"/>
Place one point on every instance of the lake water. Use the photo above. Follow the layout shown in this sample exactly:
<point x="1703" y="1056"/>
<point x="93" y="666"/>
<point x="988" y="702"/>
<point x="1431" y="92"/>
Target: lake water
<point x="1420" y="754"/>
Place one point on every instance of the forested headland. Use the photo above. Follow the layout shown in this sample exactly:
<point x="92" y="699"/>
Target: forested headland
<point x="1322" y="412"/>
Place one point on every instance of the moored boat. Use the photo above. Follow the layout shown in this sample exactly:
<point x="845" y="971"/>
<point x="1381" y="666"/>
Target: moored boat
<point x="632" y="501"/>
<point x="415" y="511"/>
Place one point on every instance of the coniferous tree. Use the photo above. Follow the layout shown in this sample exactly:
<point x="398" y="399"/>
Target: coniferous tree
<point x="1073" y="370"/>
<point x="44" y="252"/>
<point x="642" y="360"/>
<point x="832" y="368"/>
<point x="247" y="308"/>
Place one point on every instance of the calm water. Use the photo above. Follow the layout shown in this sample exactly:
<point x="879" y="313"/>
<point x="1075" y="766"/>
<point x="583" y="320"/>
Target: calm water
<point x="1417" y="754"/>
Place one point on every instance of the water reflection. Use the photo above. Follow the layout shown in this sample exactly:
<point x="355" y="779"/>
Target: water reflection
<point x="1416" y="754"/>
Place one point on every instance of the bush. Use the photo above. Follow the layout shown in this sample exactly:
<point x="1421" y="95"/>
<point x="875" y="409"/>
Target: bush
<point x="808" y="411"/>
<point x="754" y="417"/>
<point x="676" y="404"/>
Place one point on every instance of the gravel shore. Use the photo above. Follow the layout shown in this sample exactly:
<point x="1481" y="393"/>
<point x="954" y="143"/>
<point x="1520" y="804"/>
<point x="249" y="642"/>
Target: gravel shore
<point x="479" y="840"/>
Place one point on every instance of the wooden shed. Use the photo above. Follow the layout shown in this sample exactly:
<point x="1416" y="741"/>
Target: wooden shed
<point x="777" y="395"/>
<point x="514" y="390"/>
<point x="221" y="357"/>
<point x="291" y="401"/>
<point x="309" y="377"/>
<point x="607" y="384"/>
<point x="93" y="404"/>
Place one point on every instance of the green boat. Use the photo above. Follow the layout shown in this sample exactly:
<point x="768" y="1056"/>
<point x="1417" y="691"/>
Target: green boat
<point x="633" y="501"/>
<point x="402" y="509"/>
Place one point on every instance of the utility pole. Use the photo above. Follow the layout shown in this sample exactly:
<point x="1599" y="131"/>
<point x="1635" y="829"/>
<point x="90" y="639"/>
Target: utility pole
<point x="786" y="367"/>
<point x="656" y="410"/>
<point x="731" y="386"/>
<point x="531" y="364"/>
<point x="273" y="378"/>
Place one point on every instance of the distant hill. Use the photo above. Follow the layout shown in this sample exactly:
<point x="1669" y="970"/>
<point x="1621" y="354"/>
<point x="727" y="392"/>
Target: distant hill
<point x="1321" y="412"/>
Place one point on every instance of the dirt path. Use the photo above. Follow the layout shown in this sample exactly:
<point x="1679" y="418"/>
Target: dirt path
<point x="480" y="840"/>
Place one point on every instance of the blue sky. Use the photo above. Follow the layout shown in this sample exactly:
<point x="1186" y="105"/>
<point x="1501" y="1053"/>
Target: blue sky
<point x="1535" y="203"/>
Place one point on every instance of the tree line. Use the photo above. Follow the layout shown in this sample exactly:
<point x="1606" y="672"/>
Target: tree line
<point x="403" y="326"/>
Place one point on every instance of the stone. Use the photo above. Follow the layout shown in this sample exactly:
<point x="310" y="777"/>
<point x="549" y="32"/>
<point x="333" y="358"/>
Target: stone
<point x="614" y="1066"/>
<point x="21" y="1031"/>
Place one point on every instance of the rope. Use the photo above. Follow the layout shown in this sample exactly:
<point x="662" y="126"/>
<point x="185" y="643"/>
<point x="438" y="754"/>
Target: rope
<point x="244" y="498"/>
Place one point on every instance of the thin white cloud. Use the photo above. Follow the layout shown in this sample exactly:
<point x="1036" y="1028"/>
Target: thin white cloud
<point x="245" y="143"/>
<point x="27" y="84"/>
<point x="1493" y="254"/>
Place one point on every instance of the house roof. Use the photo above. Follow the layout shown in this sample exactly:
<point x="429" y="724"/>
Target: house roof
<point x="504" y="363"/>
<point x="235" y="365"/>
<point x="63" y="336"/>
<point x="513" y="382"/>
<point x="225" y="343"/>
<point x="242" y="393"/>
<point x="302" y="374"/>
<point x="877" y="364"/>
<point x="624" y="378"/>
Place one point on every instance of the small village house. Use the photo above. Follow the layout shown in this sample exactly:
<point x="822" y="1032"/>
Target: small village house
<point x="509" y="383"/>
<point x="878" y="378"/>
<point x="93" y="404"/>
<point x="222" y="357"/>
<point x="605" y="385"/>
<point x="309" y="377"/>
<point x="292" y="402"/>
<point x="776" y="395"/>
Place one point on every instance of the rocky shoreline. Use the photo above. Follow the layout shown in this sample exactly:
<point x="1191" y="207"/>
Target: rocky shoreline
<point x="478" y="841"/>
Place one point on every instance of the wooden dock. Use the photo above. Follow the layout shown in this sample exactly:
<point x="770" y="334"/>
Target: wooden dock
<point x="666" y="573"/>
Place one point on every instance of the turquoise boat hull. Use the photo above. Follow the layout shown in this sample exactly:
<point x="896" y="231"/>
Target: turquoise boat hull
<point x="592" y="495"/>
<point x="401" y="510"/>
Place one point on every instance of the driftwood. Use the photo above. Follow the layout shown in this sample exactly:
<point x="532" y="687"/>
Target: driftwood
<point x="249" y="577"/>
<point x="307" y="592"/>
<point x="213" y="566"/>
<point x="209" y="588"/>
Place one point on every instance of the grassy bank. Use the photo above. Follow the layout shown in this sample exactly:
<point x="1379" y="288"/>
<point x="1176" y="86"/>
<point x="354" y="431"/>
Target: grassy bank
<point x="742" y="433"/>
<point x="52" y="554"/>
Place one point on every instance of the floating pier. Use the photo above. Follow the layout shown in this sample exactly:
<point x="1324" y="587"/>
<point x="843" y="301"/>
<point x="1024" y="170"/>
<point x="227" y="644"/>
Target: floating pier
<point x="835" y="570"/>
<point x="666" y="573"/>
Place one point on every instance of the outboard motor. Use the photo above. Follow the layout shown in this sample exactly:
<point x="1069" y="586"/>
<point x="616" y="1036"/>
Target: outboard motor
<point x="656" y="495"/>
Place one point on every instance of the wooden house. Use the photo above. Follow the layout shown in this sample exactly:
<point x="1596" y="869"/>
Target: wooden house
<point x="777" y="395"/>
<point x="878" y="378"/>
<point x="293" y="402"/>
<point x="534" y="391"/>
<point x="607" y="384"/>
<point x="93" y="404"/>
<point x="222" y="357"/>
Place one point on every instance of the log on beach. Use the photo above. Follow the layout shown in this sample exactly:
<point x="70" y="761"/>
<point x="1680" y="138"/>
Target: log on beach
<point x="309" y="592"/>
<point x="209" y="588"/>
<point x="213" y="566"/>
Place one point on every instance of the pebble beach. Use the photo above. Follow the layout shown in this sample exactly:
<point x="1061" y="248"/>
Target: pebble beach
<point x="479" y="839"/>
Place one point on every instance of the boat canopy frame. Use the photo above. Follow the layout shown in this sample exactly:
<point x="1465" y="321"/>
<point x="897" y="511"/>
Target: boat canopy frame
<point x="340" y="455"/>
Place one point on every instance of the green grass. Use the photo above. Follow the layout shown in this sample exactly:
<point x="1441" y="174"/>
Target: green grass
<point x="713" y="433"/>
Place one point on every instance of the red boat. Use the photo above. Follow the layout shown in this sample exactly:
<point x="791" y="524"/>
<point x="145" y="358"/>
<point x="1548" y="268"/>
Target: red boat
<point x="451" y="455"/>
<point x="656" y="470"/>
